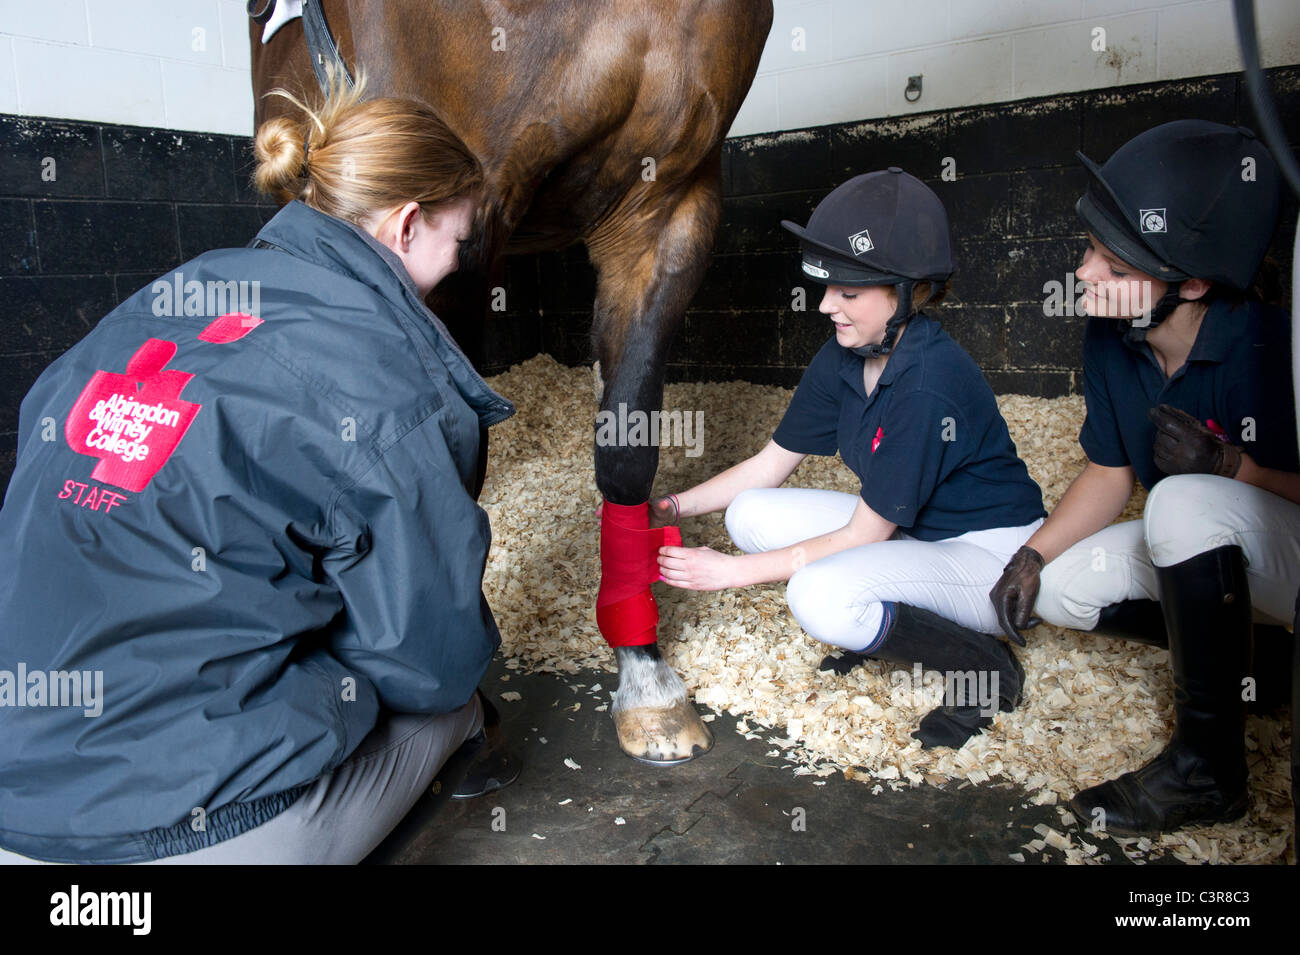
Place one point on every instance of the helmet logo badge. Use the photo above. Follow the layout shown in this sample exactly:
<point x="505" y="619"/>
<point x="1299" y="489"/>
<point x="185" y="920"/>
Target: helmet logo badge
<point x="815" y="271"/>
<point x="1152" y="220"/>
<point x="860" y="242"/>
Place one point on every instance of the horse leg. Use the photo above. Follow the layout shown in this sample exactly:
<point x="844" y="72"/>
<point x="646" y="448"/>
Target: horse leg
<point x="650" y="263"/>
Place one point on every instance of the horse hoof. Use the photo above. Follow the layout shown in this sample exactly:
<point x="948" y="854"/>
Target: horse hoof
<point x="663" y="737"/>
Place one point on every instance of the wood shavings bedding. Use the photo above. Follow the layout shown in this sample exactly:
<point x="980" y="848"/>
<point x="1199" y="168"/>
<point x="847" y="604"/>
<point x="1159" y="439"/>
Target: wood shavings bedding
<point x="1094" y="708"/>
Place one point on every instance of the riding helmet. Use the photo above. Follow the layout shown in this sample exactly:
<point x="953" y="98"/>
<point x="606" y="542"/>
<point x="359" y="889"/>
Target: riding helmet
<point x="880" y="228"/>
<point x="1187" y="199"/>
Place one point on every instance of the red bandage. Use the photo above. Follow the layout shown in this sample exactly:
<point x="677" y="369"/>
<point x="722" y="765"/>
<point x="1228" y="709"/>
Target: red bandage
<point x="629" y="563"/>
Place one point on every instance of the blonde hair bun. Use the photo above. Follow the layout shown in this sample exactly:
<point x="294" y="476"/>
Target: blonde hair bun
<point x="364" y="156"/>
<point x="279" y="150"/>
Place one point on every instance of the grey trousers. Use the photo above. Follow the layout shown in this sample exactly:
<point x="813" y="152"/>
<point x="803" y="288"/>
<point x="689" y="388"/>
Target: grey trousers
<point x="345" y="815"/>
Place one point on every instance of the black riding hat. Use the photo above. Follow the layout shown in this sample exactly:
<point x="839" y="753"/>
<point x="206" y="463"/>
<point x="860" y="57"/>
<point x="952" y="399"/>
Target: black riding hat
<point x="1188" y="199"/>
<point x="879" y="228"/>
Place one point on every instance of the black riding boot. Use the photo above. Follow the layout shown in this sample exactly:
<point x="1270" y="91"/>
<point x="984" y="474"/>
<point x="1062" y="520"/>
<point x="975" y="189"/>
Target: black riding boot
<point x="1200" y="777"/>
<point x="919" y="636"/>
<point x="1141" y="621"/>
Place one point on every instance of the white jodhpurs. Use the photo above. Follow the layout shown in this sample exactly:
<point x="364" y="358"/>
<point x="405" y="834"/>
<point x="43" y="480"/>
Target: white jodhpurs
<point x="1185" y="515"/>
<point x="838" y="599"/>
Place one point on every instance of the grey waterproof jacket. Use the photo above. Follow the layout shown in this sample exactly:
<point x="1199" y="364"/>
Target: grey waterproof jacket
<point x="231" y="538"/>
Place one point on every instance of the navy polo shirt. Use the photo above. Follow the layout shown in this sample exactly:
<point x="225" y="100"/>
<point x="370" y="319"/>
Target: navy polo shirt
<point x="929" y="444"/>
<point x="1238" y="375"/>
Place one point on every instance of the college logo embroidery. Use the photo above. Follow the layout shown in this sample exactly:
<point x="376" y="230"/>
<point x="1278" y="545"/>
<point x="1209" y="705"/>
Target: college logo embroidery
<point x="1152" y="220"/>
<point x="860" y="242"/>
<point x="134" y="421"/>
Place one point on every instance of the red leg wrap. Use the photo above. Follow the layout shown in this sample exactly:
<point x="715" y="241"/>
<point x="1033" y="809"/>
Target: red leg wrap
<point x="629" y="563"/>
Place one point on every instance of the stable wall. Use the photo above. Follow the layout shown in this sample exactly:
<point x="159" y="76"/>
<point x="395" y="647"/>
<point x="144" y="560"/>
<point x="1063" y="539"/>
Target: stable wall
<point x="129" y="203"/>
<point x="1012" y="212"/>
<point x="130" y="200"/>
<point x="184" y="64"/>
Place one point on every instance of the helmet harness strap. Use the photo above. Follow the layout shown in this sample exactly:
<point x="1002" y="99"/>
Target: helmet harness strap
<point x="1136" y="334"/>
<point x="902" y="313"/>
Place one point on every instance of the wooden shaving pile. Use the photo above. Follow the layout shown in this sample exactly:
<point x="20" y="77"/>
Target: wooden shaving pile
<point x="1094" y="708"/>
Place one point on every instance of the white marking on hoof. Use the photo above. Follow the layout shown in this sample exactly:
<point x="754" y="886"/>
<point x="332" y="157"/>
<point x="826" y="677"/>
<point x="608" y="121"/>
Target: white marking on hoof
<point x="653" y="714"/>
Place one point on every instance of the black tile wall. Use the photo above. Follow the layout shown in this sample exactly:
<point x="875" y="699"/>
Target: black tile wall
<point x="981" y="330"/>
<point x="1113" y="117"/>
<point x="914" y="143"/>
<point x="1030" y="134"/>
<point x="780" y="162"/>
<point x="215" y="227"/>
<point x="17" y="237"/>
<point x="79" y="235"/>
<point x="89" y="213"/>
<point x="47" y="313"/>
<point x="49" y="158"/>
<point x="21" y="372"/>
<point x="167" y="164"/>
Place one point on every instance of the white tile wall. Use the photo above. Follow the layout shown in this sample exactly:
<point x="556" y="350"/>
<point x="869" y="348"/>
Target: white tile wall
<point x="1062" y="59"/>
<point x="1191" y="40"/>
<point x="134" y="61"/>
<point x="60" y="20"/>
<point x="205" y="98"/>
<point x="834" y="93"/>
<point x="970" y="19"/>
<point x="1107" y="8"/>
<point x="863" y="27"/>
<point x="85" y="83"/>
<point x="807" y="26"/>
<point x="760" y="112"/>
<point x="954" y="74"/>
<point x="182" y="30"/>
<point x="1192" y="37"/>
<point x="1278" y="28"/>
<point x="8" y="77"/>
<point x="234" y="36"/>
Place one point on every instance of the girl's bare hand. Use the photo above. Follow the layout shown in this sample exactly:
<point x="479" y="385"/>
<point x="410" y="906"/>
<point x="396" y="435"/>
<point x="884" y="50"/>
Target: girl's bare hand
<point x="697" y="568"/>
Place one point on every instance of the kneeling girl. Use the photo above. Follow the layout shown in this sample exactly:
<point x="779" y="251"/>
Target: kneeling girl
<point x="900" y="571"/>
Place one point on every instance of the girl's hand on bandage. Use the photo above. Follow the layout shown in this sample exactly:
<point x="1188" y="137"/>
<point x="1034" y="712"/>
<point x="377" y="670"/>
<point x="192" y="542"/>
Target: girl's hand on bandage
<point x="1185" y="446"/>
<point x="697" y="568"/>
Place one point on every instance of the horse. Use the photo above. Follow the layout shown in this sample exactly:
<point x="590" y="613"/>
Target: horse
<point x="599" y="123"/>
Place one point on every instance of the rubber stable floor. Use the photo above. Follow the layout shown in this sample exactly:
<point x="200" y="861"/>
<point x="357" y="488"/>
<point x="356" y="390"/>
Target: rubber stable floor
<point x="580" y="800"/>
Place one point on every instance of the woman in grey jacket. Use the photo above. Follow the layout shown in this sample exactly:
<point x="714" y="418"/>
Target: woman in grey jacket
<point x="244" y="618"/>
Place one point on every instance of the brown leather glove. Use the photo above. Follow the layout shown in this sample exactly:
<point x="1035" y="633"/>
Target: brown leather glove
<point x="1014" y="594"/>
<point x="1185" y="446"/>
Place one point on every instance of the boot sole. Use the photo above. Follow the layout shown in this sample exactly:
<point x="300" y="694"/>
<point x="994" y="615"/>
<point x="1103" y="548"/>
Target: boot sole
<point x="1231" y="813"/>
